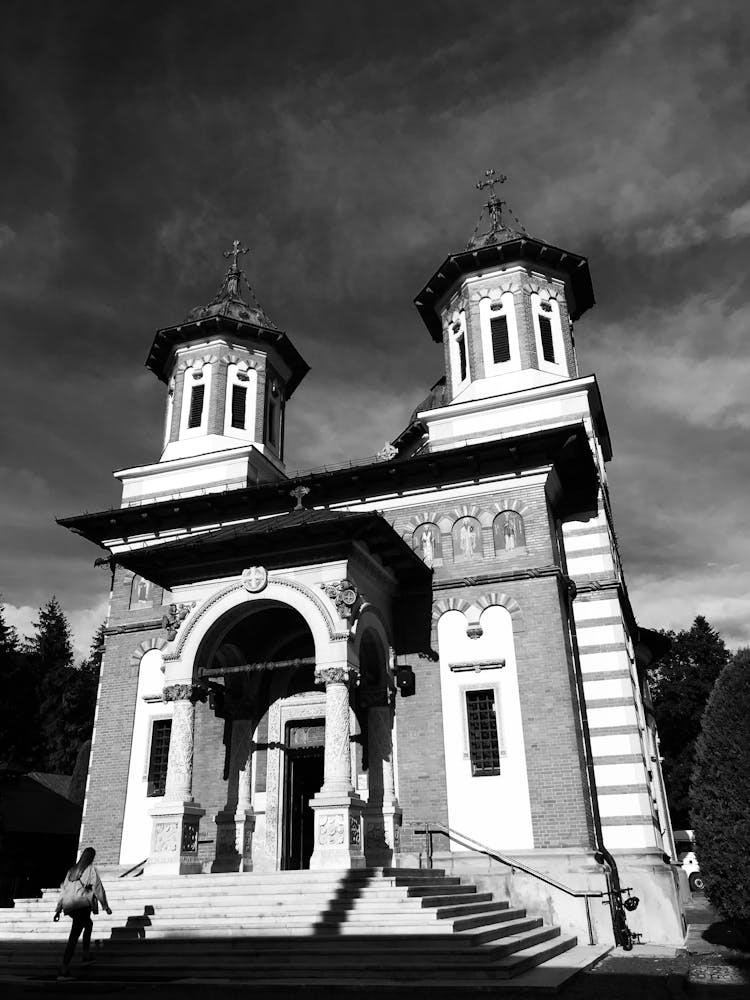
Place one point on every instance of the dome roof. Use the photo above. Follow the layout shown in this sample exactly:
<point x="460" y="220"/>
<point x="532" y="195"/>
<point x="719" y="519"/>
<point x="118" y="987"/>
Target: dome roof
<point x="229" y="302"/>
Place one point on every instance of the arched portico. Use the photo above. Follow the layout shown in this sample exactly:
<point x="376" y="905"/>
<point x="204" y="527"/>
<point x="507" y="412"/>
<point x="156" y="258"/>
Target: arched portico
<point x="259" y="658"/>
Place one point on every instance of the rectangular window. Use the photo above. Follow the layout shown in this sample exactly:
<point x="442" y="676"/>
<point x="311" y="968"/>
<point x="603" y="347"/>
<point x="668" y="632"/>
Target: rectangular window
<point x="484" y="745"/>
<point x="461" y="345"/>
<point x="239" y="399"/>
<point x="196" y="406"/>
<point x="500" y="339"/>
<point x="548" y="347"/>
<point x="157" y="762"/>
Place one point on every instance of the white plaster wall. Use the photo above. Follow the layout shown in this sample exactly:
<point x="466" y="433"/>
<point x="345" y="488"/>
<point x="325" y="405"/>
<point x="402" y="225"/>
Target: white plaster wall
<point x="600" y="635"/>
<point x="581" y="542"/>
<point x="618" y="774"/>
<point x="630" y="836"/>
<point x="136" y="829"/>
<point x="497" y="417"/>
<point x="586" y="611"/>
<point x="618" y="687"/>
<point x="601" y="563"/>
<point x="625" y="804"/>
<point x="612" y="715"/>
<point x="493" y="809"/>
<point x="599" y="662"/>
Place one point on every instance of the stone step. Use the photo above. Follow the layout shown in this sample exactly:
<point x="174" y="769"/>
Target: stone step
<point x="442" y="969"/>
<point x="439" y="891"/>
<point x="479" y="903"/>
<point x="533" y="955"/>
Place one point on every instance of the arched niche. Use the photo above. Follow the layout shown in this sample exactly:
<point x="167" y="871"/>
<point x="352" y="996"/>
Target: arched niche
<point x="508" y="531"/>
<point x="467" y="539"/>
<point x="427" y="543"/>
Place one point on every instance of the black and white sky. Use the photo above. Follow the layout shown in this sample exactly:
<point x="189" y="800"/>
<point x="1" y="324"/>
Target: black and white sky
<point x="341" y="141"/>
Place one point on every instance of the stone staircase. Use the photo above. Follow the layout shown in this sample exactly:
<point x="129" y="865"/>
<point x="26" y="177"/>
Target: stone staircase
<point x="376" y="925"/>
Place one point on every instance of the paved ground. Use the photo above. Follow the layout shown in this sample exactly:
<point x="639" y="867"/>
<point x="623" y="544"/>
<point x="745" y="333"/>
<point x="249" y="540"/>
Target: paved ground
<point x="710" y="967"/>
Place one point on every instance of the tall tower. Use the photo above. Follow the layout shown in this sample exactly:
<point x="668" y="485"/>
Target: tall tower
<point x="229" y="372"/>
<point x="504" y="308"/>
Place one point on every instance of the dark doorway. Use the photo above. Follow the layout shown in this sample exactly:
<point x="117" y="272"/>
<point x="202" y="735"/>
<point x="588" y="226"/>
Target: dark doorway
<point x="303" y="778"/>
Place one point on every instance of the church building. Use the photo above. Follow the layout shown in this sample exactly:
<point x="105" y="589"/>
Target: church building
<point x="426" y="656"/>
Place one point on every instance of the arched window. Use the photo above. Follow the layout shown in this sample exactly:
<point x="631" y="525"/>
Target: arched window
<point x="550" y="348"/>
<point x="195" y="395"/>
<point x="508" y="531"/>
<point x="467" y="539"/>
<point x="497" y="320"/>
<point x="239" y="406"/>
<point x="426" y="541"/>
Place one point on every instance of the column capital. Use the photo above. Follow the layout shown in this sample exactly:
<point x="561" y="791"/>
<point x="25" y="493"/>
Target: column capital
<point x="184" y="692"/>
<point x="337" y="673"/>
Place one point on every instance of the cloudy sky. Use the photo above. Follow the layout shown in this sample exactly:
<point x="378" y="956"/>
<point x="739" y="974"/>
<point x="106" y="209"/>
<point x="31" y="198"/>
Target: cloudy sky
<point x="341" y="141"/>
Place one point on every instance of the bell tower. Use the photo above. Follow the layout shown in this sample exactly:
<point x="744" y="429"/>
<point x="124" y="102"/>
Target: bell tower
<point x="229" y="372"/>
<point x="504" y="308"/>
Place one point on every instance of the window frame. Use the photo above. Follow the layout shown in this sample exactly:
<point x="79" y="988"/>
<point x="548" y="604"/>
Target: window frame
<point x="458" y="331"/>
<point x="490" y="309"/>
<point x="153" y="722"/>
<point x="481" y="684"/>
<point x="195" y="376"/>
<point x="560" y="365"/>
<point x="245" y="377"/>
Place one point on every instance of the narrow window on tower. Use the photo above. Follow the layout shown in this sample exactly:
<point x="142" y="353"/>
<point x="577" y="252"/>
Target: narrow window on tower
<point x="484" y="744"/>
<point x="239" y="403"/>
<point x="274" y="409"/>
<point x="161" y="732"/>
<point x="461" y="346"/>
<point x="196" y="406"/>
<point x="500" y="339"/>
<point x="545" y="334"/>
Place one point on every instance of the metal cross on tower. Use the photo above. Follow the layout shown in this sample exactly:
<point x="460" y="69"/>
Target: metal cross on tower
<point x="235" y="252"/>
<point x="494" y="205"/>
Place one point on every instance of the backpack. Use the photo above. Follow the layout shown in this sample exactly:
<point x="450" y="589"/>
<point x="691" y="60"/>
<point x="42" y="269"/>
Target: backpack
<point x="77" y="894"/>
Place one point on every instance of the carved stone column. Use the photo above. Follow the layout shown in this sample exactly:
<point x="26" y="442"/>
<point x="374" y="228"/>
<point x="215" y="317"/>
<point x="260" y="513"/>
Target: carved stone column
<point x="235" y="825"/>
<point x="383" y="813"/>
<point x="338" y="809"/>
<point x="176" y="819"/>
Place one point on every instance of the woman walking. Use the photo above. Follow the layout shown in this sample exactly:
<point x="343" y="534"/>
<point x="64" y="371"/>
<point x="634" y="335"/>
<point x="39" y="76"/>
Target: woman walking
<point x="80" y="895"/>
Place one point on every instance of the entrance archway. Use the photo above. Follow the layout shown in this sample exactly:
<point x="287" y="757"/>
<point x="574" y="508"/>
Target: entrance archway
<point x="259" y="662"/>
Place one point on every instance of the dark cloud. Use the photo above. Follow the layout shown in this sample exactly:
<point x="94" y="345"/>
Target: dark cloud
<point x="342" y="143"/>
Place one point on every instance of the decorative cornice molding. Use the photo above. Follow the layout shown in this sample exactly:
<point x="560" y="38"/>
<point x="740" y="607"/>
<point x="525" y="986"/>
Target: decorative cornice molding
<point x="199" y="362"/>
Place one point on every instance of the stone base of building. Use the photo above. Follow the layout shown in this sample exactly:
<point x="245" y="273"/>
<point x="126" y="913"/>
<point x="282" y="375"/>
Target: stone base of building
<point x="339" y="833"/>
<point x="658" y="918"/>
<point x="174" y="839"/>
<point x="382" y="835"/>
<point x="234" y="841"/>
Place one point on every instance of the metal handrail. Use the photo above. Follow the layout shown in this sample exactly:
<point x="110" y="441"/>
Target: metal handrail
<point x="429" y="828"/>
<point x="139" y="865"/>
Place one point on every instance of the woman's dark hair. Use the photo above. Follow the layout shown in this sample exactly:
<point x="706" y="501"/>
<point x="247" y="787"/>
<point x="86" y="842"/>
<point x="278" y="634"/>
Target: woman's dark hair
<point x="86" y="858"/>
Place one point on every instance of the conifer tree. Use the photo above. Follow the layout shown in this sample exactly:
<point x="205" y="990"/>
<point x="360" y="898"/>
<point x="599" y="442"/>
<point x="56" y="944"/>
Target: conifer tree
<point x="720" y="793"/>
<point x="19" y="727"/>
<point x="680" y="685"/>
<point x="50" y="653"/>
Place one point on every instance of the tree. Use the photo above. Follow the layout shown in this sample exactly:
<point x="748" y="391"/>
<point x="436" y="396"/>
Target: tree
<point x="720" y="793"/>
<point x="19" y="723"/>
<point x="680" y="686"/>
<point x="66" y="693"/>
